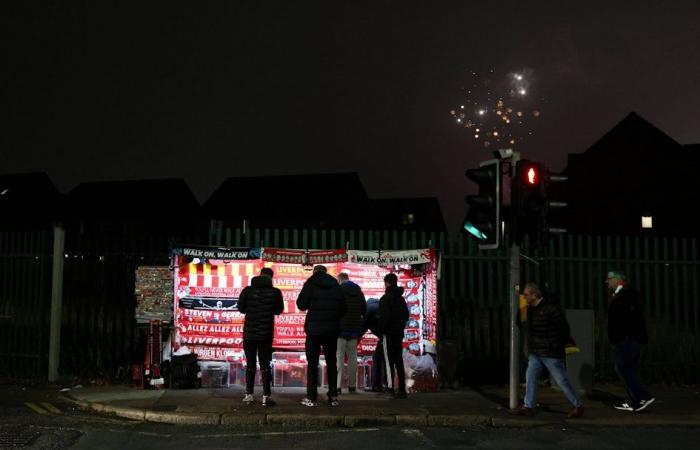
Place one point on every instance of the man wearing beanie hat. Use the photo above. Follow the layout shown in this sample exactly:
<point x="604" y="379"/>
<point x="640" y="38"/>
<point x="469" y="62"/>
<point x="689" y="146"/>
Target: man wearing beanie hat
<point x="393" y="315"/>
<point x="627" y="333"/>
<point x="324" y="303"/>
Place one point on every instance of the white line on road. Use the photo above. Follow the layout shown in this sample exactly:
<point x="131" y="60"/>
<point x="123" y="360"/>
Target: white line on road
<point x="144" y="433"/>
<point x="284" y="433"/>
<point x="418" y="434"/>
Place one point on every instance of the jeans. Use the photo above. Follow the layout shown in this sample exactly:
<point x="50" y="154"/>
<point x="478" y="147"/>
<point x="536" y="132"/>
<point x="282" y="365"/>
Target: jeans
<point x="313" y="350"/>
<point x="626" y="357"/>
<point x="252" y="350"/>
<point x="557" y="368"/>
<point x="393" y="346"/>
<point x="347" y="345"/>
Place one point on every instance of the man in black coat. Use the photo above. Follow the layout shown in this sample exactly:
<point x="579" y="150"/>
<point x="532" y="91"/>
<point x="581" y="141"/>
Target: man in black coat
<point x="548" y="333"/>
<point x="323" y="300"/>
<point x="393" y="315"/>
<point x="627" y="332"/>
<point x="260" y="302"/>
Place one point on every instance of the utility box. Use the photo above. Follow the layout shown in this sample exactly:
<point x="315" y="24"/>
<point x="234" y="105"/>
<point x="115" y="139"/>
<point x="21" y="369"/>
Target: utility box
<point x="579" y="366"/>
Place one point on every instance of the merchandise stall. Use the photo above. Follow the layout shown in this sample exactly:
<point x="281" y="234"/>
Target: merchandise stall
<point x="208" y="282"/>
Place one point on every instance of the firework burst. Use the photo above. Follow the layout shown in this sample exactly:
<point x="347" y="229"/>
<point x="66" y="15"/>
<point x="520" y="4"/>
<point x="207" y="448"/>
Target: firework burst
<point x="497" y="110"/>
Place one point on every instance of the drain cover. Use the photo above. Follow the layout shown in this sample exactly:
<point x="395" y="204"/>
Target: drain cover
<point x="17" y="438"/>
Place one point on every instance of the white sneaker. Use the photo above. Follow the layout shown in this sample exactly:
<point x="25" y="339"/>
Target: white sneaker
<point x="624" y="407"/>
<point x="308" y="402"/>
<point x="644" y="403"/>
<point x="248" y="399"/>
<point x="267" y="401"/>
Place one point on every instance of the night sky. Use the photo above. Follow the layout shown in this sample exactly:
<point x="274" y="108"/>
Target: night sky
<point x="97" y="92"/>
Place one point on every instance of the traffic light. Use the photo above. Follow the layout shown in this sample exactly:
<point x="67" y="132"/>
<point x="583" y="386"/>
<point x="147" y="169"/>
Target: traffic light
<point x="484" y="216"/>
<point x="532" y="204"/>
<point x="552" y="204"/>
<point x="528" y="200"/>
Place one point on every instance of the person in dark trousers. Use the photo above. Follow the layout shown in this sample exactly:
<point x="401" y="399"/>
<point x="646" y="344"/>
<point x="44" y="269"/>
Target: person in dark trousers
<point x="627" y="333"/>
<point x="324" y="302"/>
<point x="548" y="333"/>
<point x="351" y="329"/>
<point x="260" y="302"/>
<point x="378" y="367"/>
<point x="393" y="315"/>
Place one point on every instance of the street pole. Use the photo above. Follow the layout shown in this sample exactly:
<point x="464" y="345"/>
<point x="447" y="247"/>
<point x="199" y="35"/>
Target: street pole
<point x="56" y="302"/>
<point x="513" y="284"/>
<point x="514" y="330"/>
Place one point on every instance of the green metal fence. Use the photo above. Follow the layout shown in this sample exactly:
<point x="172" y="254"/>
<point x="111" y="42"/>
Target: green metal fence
<point x="25" y="299"/>
<point x="98" y="326"/>
<point x="473" y="293"/>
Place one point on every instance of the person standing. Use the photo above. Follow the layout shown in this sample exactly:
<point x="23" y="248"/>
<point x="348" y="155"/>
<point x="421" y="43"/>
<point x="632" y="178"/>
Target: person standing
<point x="378" y="365"/>
<point x="351" y="330"/>
<point x="547" y="335"/>
<point x="324" y="302"/>
<point x="393" y="315"/>
<point x="260" y="302"/>
<point x="627" y="333"/>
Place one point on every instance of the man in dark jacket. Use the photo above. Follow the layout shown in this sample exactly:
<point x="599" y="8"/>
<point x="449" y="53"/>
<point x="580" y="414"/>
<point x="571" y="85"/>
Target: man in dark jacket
<point x="627" y="333"/>
<point x="351" y="329"/>
<point x="393" y="315"/>
<point x="548" y="333"/>
<point x="260" y="302"/>
<point x="323" y="300"/>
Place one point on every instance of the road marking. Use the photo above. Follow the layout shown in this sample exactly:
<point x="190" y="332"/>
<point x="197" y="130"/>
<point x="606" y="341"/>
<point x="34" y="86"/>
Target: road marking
<point x="284" y="433"/>
<point x="418" y="434"/>
<point x="36" y="408"/>
<point x="51" y="408"/>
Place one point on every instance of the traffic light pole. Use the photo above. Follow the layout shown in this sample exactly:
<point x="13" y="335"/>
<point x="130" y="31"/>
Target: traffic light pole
<point x="514" y="330"/>
<point x="514" y="291"/>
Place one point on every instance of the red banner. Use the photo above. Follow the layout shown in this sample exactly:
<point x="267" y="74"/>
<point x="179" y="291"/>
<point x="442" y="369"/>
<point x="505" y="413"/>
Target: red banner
<point x="206" y="296"/>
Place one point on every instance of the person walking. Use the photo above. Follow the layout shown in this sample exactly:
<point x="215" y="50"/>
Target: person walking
<point x="260" y="302"/>
<point x="393" y="315"/>
<point x="351" y="330"/>
<point x="547" y="335"/>
<point x="324" y="303"/>
<point x="627" y="333"/>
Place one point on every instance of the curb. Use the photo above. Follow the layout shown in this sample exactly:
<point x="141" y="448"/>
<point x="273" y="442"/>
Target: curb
<point x="352" y="421"/>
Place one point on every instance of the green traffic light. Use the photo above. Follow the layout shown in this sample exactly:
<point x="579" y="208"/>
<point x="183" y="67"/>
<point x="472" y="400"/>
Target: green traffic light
<point x="474" y="231"/>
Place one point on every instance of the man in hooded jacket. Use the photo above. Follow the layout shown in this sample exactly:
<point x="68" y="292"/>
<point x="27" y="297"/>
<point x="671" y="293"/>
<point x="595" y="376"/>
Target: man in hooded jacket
<point x="324" y="302"/>
<point x="393" y="315"/>
<point x="260" y="302"/>
<point x="351" y="329"/>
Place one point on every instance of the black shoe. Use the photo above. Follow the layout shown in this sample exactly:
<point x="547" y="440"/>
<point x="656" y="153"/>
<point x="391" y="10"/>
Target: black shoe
<point x="522" y="410"/>
<point x="339" y="391"/>
<point x="351" y="390"/>
<point x="333" y="401"/>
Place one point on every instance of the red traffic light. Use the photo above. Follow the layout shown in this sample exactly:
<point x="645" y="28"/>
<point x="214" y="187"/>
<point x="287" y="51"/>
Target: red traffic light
<point x="532" y="175"/>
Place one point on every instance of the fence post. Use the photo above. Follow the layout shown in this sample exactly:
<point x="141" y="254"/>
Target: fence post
<point x="59" y="239"/>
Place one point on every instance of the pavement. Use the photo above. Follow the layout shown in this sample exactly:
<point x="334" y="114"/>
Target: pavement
<point x="483" y="407"/>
